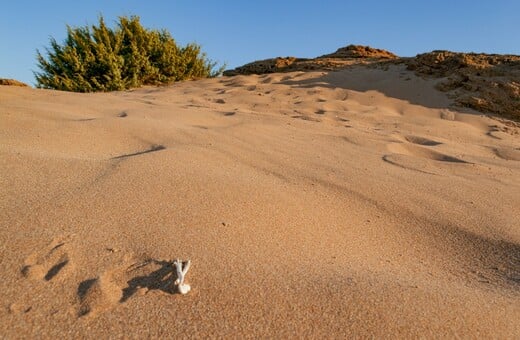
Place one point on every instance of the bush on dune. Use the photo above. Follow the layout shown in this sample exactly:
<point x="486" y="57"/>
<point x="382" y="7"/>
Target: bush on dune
<point x="99" y="58"/>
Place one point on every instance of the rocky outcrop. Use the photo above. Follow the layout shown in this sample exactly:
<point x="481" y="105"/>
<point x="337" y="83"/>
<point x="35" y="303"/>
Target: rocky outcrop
<point x="488" y="83"/>
<point x="264" y="66"/>
<point x="12" y="82"/>
<point x="343" y="57"/>
<point x="358" y="51"/>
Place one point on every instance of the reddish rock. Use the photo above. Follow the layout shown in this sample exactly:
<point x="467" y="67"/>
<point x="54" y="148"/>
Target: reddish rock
<point x="359" y="51"/>
<point x="343" y="57"/>
<point x="12" y="82"/>
<point x="488" y="83"/>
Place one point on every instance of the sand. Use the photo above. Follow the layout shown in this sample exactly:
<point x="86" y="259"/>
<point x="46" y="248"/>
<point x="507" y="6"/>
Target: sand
<point x="352" y="203"/>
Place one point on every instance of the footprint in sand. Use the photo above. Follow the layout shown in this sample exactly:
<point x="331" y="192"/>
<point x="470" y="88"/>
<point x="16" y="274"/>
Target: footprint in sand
<point x="97" y="295"/>
<point x="509" y="154"/>
<point x="50" y="263"/>
<point x="414" y="154"/>
<point x="152" y="148"/>
<point x="314" y="92"/>
<point x="421" y="140"/>
<point x="84" y="119"/>
<point x="269" y="80"/>
<point x="305" y="117"/>
<point x="448" y="115"/>
<point x="422" y="152"/>
<point x="120" y="285"/>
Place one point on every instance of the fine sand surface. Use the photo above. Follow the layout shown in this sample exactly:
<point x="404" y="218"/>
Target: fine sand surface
<point x="310" y="204"/>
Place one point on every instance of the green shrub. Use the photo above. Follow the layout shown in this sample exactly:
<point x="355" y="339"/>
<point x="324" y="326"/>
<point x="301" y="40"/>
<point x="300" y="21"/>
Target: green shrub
<point x="98" y="58"/>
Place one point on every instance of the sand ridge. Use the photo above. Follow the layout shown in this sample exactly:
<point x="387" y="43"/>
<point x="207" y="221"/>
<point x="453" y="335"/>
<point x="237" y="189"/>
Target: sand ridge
<point x="310" y="203"/>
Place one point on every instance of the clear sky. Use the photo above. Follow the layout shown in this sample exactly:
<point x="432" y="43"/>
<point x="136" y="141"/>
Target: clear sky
<point x="237" y="32"/>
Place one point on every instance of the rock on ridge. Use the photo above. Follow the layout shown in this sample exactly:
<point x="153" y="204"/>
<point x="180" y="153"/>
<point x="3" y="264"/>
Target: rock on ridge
<point x="12" y="82"/>
<point x="359" y="51"/>
<point x="343" y="57"/>
<point x="487" y="83"/>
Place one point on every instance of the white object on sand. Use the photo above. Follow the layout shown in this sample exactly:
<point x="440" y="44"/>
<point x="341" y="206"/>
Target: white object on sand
<point x="182" y="268"/>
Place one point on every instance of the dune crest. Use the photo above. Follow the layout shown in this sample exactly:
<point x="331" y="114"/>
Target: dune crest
<point x="488" y="83"/>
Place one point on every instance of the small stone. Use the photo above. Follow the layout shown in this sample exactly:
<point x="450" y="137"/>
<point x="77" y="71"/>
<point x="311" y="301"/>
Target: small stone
<point x="14" y="308"/>
<point x="142" y="291"/>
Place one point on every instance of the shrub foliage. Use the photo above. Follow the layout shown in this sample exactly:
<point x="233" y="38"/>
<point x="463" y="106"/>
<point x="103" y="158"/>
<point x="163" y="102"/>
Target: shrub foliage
<point x="99" y="58"/>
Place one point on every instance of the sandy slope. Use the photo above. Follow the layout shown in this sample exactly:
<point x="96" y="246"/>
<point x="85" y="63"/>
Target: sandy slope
<point x="347" y="203"/>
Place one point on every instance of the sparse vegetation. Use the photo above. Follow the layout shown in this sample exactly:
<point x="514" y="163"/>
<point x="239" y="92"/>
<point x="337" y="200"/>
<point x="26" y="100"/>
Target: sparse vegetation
<point x="99" y="58"/>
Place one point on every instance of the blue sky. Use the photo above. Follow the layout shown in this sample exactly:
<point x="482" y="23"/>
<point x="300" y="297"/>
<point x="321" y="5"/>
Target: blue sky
<point x="237" y="32"/>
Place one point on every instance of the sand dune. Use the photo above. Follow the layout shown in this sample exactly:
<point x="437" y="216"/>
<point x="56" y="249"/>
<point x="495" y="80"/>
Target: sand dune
<point x="348" y="203"/>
